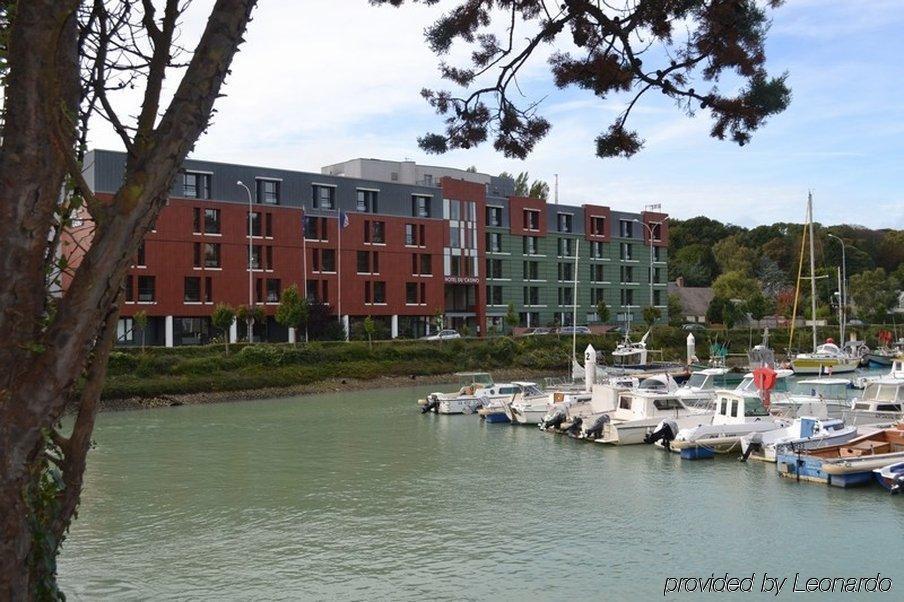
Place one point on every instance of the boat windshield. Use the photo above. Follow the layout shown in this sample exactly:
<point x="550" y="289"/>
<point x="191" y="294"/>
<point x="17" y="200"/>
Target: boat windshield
<point x="531" y="390"/>
<point x="667" y="404"/>
<point x="883" y="392"/>
<point x="823" y="390"/>
<point x="475" y="378"/>
<point x="697" y="380"/>
<point x="652" y="383"/>
<point x="753" y="406"/>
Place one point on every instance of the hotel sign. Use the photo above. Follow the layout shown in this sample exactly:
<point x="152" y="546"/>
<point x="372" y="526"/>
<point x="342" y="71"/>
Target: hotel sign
<point x="461" y="280"/>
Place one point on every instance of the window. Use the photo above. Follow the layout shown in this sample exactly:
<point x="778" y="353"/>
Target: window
<point x="597" y="250"/>
<point x="627" y="273"/>
<point x="197" y="255"/>
<point x="566" y="222"/>
<point x="208" y="289"/>
<point x="657" y="275"/>
<point x="255" y="259"/>
<point x="531" y="270"/>
<point x="328" y="260"/>
<point x="428" y="179"/>
<point x="196" y="185"/>
<point x="273" y="290"/>
<point x="528" y="318"/>
<point x="566" y="272"/>
<point x="494" y="242"/>
<point x="494" y="217"/>
<point x="130" y="288"/>
<point x="566" y="296"/>
<point x="196" y="220"/>
<point x="627" y="297"/>
<point x="494" y="268"/>
<point x="411" y="293"/>
<point x="494" y="295"/>
<point x="211" y="255"/>
<point x="411" y="235"/>
<point x="657" y="297"/>
<point x="626" y="228"/>
<point x="596" y="273"/>
<point x="140" y="258"/>
<point x="529" y="245"/>
<point x="426" y="265"/>
<point x="375" y="292"/>
<point x="374" y="232"/>
<point x="597" y="295"/>
<point x="366" y="201"/>
<point x="598" y="226"/>
<point x="125" y="330"/>
<point x="656" y="228"/>
<point x="566" y="247"/>
<point x="531" y="219"/>
<point x="394" y="176"/>
<point x="268" y="231"/>
<point x="531" y="295"/>
<point x="254" y="223"/>
<point x="146" y="286"/>
<point x="626" y="251"/>
<point x="420" y="205"/>
<point x="368" y="262"/>
<point x="192" y="289"/>
<point x="268" y="191"/>
<point x="657" y="254"/>
<point x="211" y="221"/>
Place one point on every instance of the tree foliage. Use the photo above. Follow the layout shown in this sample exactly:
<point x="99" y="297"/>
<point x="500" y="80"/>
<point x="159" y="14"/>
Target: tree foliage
<point x="873" y="294"/>
<point x="736" y="285"/>
<point x="538" y="190"/>
<point x="222" y="318"/>
<point x="618" y="46"/>
<point x="293" y="310"/>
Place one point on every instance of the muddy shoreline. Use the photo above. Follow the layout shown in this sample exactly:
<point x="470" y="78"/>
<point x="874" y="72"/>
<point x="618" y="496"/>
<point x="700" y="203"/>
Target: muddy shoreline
<point x="333" y="385"/>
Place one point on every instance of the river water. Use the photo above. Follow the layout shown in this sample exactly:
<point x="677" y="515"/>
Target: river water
<point x="359" y="496"/>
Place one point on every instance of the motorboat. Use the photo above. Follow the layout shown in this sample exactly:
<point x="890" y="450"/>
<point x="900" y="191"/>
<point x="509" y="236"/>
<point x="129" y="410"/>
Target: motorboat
<point x="532" y="404"/>
<point x="827" y="358"/>
<point x="882" y="402"/>
<point x="807" y="432"/>
<point x="499" y="396"/>
<point x="779" y="390"/>
<point x="819" y="397"/>
<point x="851" y="463"/>
<point x="640" y="411"/>
<point x="737" y="414"/>
<point x="470" y="396"/>
<point x="856" y="349"/>
<point x="896" y="371"/>
<point x="891" y="477"/>
<point x="699" y="390"/>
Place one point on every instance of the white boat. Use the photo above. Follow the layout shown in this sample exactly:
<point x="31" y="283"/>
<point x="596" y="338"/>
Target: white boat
<point x="700" y="389"/>
<point x="827" y="358"/>
<point x="628" y="355"/>
<point x="639" y="412"/>
<point x="470" y="396"/>
<point x="803" y="433"/>
<point x="532" y="404"/>
<point x="501" y="395"/>
<point x="896" y="371"/>
<point x="819" y="397"/>
<point x="737" y="415"/>
<point x="881" y="403"/>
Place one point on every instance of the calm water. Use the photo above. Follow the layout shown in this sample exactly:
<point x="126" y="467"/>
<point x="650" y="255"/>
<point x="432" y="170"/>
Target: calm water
<point x="357" y="495"/>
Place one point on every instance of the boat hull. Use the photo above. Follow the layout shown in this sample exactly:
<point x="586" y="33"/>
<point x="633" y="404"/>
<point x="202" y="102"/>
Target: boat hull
<point x="496" y="417"/>
<point x="891" y="477"/>
<point x="880" y="360"/>
<point x="846" y="472"/>
<point x="824" y="365"/>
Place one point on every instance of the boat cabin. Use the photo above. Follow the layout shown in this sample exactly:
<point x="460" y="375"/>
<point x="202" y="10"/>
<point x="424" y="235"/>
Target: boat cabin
<point x="823" y="388"/>
<point x="709" y="379"/>
<point x="480" y="379"/>
<point x="748" y="386"/>
<point x="733" y="408"/>
<point x="886" y="395"/>
<point x="638" y="405"/>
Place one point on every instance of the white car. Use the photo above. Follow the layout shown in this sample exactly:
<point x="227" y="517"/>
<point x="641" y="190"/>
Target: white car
<point x="442" y="335"/>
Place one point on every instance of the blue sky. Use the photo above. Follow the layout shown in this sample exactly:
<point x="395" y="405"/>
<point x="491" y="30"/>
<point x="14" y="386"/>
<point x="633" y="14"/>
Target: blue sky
<point x="321" y="81"/>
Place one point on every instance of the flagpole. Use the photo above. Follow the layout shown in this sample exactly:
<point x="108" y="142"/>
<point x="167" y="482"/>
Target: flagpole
<point x="339" y="267"/>
<point x="304" y="264"/>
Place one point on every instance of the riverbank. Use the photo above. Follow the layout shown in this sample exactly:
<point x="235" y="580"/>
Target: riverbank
<point x="331" y="385"/>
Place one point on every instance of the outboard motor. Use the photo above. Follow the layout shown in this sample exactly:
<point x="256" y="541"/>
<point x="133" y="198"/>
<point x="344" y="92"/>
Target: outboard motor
<point x="666" y="431"/>
<point x="898" y="485"/>
<point x="432" y="404"/>
<point x="595" y="430"/>
<point x="574" y="429"/>
<point x="756" y="442"/>
<point x="554" y="421"/>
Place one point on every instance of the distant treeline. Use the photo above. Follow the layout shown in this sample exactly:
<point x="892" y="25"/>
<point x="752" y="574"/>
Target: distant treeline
<point x="746" y="264"/>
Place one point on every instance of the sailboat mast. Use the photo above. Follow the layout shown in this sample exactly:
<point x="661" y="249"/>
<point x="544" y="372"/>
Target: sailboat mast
<point x="840" y="310"/>
<point x="812" y="269"/>
<point x="574" y="302"/>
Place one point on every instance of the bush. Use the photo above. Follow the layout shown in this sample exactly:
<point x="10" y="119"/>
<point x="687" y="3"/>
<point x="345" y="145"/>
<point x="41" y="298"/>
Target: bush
<point x="121" y="363"/>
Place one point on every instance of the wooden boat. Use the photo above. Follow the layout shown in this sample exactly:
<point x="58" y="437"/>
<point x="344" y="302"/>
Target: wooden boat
<point x="847" y="464"/>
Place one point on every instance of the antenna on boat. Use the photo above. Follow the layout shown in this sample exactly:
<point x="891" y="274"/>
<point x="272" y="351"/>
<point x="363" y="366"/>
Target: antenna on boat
<point x="812" y="268"/>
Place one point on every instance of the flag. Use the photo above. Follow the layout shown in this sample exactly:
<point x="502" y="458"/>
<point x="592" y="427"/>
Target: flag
<point x="343" y="219"/>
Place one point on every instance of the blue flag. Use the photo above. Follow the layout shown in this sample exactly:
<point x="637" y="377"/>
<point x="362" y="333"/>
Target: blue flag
<point x="343" y="219"/>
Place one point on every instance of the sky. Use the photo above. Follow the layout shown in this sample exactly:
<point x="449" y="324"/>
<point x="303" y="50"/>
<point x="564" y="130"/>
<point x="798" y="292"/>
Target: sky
<point x="322" y="81"/>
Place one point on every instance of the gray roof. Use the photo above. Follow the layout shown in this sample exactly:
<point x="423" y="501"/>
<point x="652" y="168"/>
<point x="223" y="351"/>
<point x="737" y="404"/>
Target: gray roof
<point x="695" y="300"/>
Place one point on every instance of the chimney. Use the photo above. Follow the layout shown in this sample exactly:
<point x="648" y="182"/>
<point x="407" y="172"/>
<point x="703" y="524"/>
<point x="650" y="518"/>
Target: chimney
<point x="679" y="281"/>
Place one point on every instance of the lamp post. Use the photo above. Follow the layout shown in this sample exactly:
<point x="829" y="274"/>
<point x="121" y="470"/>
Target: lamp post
<point x="650" y="230"/>
<point x="250" y="265"/>
<point x="843" y="292"/>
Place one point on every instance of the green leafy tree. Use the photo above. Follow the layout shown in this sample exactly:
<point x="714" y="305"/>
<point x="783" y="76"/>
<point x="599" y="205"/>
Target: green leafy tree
<point x="873" y="294"/>
<point x="141" y="323"/>
<point x="679" y="49"/>
<point x="758" y="306"/>
<point x="511" y="317"/>
<point x="603" y="314"/>
<point x="293" y="310"/>
<point x="731" y="313"/>
<point x="539" y="190"/>
<point x="222" y="318"/>
<point x="676" y="310"/>
<point x="735" y="285"/>
<point x="694" y="263"/>
<point x="369" y="329"/>
<point x="243" y="315"/>
<point x="731" y="256"/>
<point x="651" y="314"/>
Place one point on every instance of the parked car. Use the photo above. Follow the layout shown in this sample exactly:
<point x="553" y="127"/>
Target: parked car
<point x="693" y="327"/>
<point x="442" y="335"/>
<point x="573" y="330"/>
<point x="535" y="332"/>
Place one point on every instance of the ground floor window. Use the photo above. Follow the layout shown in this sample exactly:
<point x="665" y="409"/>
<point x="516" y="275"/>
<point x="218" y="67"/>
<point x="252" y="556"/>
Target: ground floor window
<point x="125" y="332"/>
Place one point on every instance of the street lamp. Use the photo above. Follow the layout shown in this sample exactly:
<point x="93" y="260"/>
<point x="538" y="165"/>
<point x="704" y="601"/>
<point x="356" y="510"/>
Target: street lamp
<point x="843" y="291"/>
<point x="650" y="230"/>
<point x="250" y="265"/>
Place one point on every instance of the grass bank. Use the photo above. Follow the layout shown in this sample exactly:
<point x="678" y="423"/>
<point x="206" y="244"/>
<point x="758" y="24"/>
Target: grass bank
<point x="162" y="371"/>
